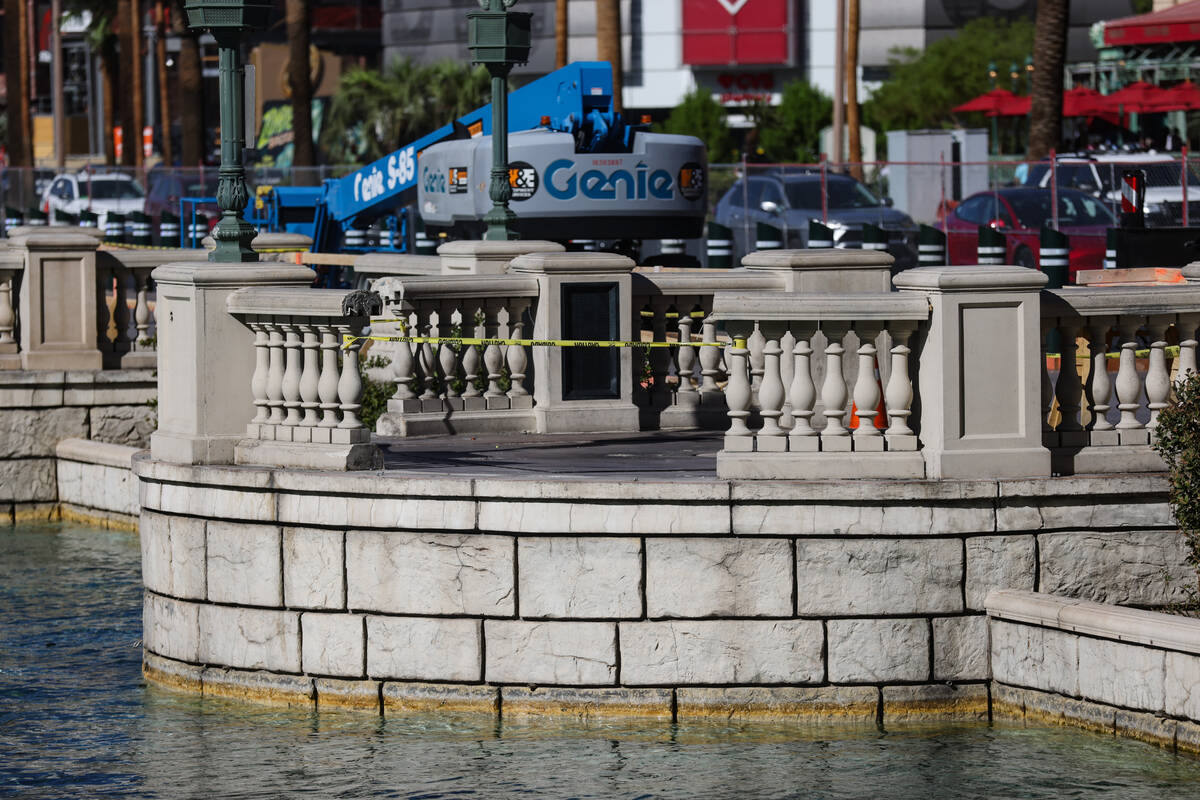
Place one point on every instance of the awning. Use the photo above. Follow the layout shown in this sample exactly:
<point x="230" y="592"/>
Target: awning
<point x="1173" y="25"/>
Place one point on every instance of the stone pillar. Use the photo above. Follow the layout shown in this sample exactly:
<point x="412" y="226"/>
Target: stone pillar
<point x="58" y="300"/>
<point x="980" y="371"/>
<point x="206" y="358"/>
<point x="490" y="257"/>
<point x="582" y="296"/>
<point x="832" y="270"/>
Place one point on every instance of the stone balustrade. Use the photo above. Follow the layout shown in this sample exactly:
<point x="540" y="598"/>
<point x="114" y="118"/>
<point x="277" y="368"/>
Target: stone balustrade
<point x="1097" y="421"/>
<point x="306" y="387"/>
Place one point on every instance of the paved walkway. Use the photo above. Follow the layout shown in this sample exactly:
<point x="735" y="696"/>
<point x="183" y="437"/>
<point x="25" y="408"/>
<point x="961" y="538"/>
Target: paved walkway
<point x="685" y="455"/>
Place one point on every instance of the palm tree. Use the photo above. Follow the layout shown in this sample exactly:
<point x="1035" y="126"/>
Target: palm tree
<point x="852" y="121"/>
<point x="164" y="96"/>
<point x="191" y="92"/>
<point x="608" y="44"/>
<point x="20" y="142"/>
<point x="560" y="34"/>
<point x="131" y="133"/>
<point x="300" y="81"/>
<point x="1049" y="54"/>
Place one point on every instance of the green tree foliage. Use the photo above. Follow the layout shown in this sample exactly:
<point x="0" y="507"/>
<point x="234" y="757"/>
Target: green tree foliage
<point x="702" y="116"/>
<point x="375" y="112"/>
<point x="791" y="131"/>
<point x="1178" y="442"/>
<point x="926" y="85"/>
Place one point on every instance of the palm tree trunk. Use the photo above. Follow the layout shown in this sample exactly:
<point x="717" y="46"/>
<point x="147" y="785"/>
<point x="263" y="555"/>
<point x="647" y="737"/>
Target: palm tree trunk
<point x="300" y="82"/>
<point x="608" y="44"/>
<point x="164" y="95"/>
<point x="1049" y="53"/>
<point x="852" y="121"/>
<point x="191" y="100"/>
<point x="137" y="88"/>
<point x="109" y="64"/>
<point x="129" y="130"/>
<point x="20" y="152"/>
<point x="560" y="34"/>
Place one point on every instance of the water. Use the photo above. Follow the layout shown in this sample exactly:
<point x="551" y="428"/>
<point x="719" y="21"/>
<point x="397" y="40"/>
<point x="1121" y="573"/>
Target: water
<point x="77" y="720"/>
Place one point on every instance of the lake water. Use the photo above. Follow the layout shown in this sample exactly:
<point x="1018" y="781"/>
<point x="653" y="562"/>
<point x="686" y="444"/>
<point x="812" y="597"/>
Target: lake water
<point x="77" y="720"/>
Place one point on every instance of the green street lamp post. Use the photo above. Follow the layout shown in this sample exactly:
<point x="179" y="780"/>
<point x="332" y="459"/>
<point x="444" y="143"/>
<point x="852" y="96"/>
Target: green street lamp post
<point x="992" y="75"/>
<point x="227" y="21"/>
<point x="499" y="39"/>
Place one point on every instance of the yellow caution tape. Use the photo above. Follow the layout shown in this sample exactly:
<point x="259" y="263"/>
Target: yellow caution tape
<point x="469" y="341"/>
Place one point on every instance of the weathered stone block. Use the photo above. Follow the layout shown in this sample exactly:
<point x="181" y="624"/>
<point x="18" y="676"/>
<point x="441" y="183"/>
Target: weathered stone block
<point x="411" y="648"/>
<point x="430" y="573"/>
<point x="689" y="577"/>
<point x="999" y="562"/>
<point x="1187" y="737"/>
<point x="1145" y="727"/>
<point x="1182" y="685"/>
<point x="878" y="650"/>
<point x="333" y="644"/>
<point x="250" y="638"/>
<point x="172" y="674"/>
<point x="1037" y="658"/>
<point x="608" y="518"/>
<point x="171" y="628"/>
<point x="313" y="568"/>
<point x="348" y="695"/>
<point x="1121" y="674"/>
<point x="585" y="704"/>
<point x="28" y="480"/>
<point x="211" y="501"/>
<point x="394" y="513"/>
<point x="719" y="651"/>
<point x="555" y="653"/>
<point x="1122" y="567"/>
<point x="937" y="702"/>
<point x="858" y="705"/>
<point x="29" y="432"/>
<point x="1087" y="512"/>
<point x="173" y="555"/>
<point x="960" y="648"/>
<point x="580" y="577"/>
<point x="878" y="576"/>
<point x="1054" y="708"/>
<point x="861" y="518"/>
<point x="98" y="487"/>
<point x="403" y="698"/>
<point x="267" y="688"/>
<point x="244" y="564"/>
<point x="128" y="425"/>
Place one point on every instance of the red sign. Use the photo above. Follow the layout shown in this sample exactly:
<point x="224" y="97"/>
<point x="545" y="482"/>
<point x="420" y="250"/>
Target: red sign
<point x="725" y="32"/>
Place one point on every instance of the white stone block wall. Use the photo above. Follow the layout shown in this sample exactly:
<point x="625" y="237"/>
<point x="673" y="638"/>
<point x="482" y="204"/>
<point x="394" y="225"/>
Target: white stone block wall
<point x="597" y="584"/>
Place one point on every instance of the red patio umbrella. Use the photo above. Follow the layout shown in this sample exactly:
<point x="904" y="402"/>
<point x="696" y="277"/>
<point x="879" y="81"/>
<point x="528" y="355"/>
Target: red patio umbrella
<point x="1015" y="106"/>
<point x="1136" y="97"/>
<point x="1182" y="97"/>
<point x="987" y="102"/>
<point x="1084" y="102"/>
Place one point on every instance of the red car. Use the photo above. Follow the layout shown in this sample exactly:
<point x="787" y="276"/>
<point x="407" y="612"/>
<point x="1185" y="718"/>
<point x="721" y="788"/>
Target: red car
<point x="1019" y="213"/>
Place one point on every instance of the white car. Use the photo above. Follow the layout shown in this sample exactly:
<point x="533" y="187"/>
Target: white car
<point x="1100" y="176"/>
<point x="98" y="192"/>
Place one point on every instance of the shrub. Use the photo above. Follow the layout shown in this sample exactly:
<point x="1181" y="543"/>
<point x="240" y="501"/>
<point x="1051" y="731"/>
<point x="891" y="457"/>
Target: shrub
<point x="375" y="393"/>
<point x="1178" y="442"/>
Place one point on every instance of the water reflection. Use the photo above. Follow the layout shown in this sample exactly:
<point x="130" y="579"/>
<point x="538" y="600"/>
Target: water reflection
<point x="76" y="720"/>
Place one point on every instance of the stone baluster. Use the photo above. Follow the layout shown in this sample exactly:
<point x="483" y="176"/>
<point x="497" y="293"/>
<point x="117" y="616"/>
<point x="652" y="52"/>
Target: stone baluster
<point x="8" y="316"/>
<point x="350" y="385"/>
<point x="1099" y="385"/>
<point x="834" y="437"/>
<point x="1069" y="389"/>
<point x="327" y="386"/>
<point x="866" y="436"/>
<point x="291" y="374"/>
<point x="471" y="359"/>
<point x="310" y="377"/>
<point x="739" y="437"/>
<point x="755" y="344"/>
<point x="771" y="437"/>
<point x="142" y="316"/>
<point x="493" y="356"/>
<point x="687" y="394"/>
<point x="449" y="355"/>
<point x="1049" y="436"/>
<point x="802" y="394"/>
<point x="121" y="318"/>
<point x="898" y="395"/>
<point x="426" y="355"/>
<point x="275" y="373"/>
<point x="1158" y="376"/>
<point x="518" y="359"/>
<point x="403" y="363"/>
<point x="1129" y="385"/>
<point x="639" y="357"/>
<point x="710" y="362"/>
<point x="787" y="368"/>
<point x="258" y="381"/>
<point x="660" y="357"/>
<point x="1187" y="343"/>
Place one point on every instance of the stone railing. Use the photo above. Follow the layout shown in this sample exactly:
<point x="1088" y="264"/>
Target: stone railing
<point x="306" y="398"/>
<point x="1097" y="421"/>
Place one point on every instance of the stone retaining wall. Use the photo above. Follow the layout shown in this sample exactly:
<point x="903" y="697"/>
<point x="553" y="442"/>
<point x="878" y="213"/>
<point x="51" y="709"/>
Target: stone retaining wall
<point x="39" y="409"/>
<point x="666" y="597"/>
<point x="1107" y="668"/>
<point x="95" y="482"/>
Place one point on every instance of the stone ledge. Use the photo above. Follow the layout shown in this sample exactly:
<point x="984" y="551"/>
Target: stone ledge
<point x="935" y="702"/>
<point x="584" y="704"/>
<point x="348" y="695"/>
<point x="172" y="674"/>
<point x="402" y="698"/>
<point x="111" y="520"/>
<point x="270" y="688"/>
<point x="857" y="705"/>
<point x="88" y="451"/>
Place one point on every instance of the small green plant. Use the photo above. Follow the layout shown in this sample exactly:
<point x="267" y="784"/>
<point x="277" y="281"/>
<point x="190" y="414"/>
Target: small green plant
<point x="1177" y="440"/>
<point x="375" y="393"/>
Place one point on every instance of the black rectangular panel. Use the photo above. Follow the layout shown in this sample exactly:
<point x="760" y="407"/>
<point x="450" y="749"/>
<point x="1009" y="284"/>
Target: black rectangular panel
<point x="590" y="312"/>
